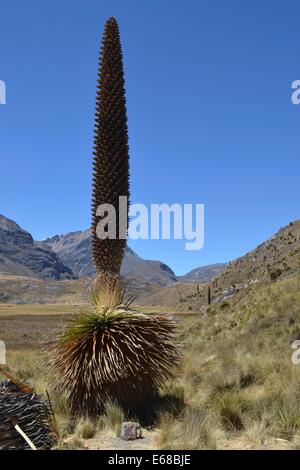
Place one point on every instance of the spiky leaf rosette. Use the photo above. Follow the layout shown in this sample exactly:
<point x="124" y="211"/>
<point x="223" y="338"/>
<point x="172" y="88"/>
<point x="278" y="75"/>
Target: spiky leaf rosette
<point x="30" y="412"/>
<point x="120" y="357"/>
<point x="111" y="159"/>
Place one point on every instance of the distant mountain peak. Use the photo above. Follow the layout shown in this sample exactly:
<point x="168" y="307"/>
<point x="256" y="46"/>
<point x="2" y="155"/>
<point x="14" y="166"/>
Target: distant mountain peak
<point x="203" y="273"/>
<point x="75" y="250"/>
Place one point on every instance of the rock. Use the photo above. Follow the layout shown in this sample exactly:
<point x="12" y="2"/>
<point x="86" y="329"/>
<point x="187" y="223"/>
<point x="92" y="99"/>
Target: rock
<point x="131" y="431"/>
<point x="229" y="292"/>
<point x="21" y="255"/>
<point x="3" y="296"/>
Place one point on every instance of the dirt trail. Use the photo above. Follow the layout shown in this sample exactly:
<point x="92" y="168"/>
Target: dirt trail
<point x="108" y="442"/>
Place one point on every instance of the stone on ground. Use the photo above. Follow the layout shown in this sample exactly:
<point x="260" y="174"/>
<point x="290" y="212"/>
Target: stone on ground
<point x="131" y="431"/>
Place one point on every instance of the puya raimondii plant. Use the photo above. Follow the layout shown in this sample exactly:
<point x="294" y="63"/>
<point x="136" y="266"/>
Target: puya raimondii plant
<point x="111" y="352"/>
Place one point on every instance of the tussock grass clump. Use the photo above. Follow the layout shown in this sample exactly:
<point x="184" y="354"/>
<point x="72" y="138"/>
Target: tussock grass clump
<point x="85" y="428"/>
<point x="228" y="407"/>
<point x="112" y="418"/>
<point x="118" y="356"/>
<point x="286" y="419"/>
<point x="256" y="432"/>
<point x="188" y="432"/>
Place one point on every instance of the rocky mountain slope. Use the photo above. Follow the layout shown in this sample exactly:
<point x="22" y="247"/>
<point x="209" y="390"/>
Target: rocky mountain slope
<point x="276" y="258"/>
<point x="21" y="255"/>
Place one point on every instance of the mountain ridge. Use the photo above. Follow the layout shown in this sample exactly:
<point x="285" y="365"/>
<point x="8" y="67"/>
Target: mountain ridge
<point x="21" y="255"/>
<point x="203" y="273"/>
<point x="75" y="250"/>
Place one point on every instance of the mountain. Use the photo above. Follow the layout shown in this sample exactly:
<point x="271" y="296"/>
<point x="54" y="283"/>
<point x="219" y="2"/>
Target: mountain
<point x="65" y="257"/>
<point x="21" y="255"/>
<point x="276" y="258"/>
<point x="75" y="250"/>
<point x="203" y="274"/>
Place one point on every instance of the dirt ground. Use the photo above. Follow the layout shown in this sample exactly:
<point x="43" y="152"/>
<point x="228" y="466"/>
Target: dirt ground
<point x="34" y="326"/>
<point x="31" y="326"/>
<point x="107" y="442"/>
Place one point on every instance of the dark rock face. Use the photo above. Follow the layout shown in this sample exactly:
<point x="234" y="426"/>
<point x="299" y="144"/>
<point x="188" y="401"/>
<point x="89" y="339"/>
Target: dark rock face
<point x="21" y="255"/>
<point x="75" y="250"/>
<point x="11" y="234"/>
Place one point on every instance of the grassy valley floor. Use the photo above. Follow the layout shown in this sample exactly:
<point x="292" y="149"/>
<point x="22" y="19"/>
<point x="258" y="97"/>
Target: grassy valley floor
<point x="237" y="387"/>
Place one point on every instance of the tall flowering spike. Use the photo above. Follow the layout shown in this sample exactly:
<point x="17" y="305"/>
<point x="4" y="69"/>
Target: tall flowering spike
<point x="111" y="152"/>
<point x="109" y="352"/>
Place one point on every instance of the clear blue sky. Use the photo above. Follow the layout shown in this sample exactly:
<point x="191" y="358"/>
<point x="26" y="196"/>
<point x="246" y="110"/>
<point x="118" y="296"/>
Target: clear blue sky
<point x="209" y="111"/>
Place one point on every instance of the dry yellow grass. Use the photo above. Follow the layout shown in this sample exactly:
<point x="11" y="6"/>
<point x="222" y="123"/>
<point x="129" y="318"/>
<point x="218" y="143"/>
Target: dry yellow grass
<point x="241" y="389"/>
<point x="37" y="309"/>
<point x="238" y="374"/>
